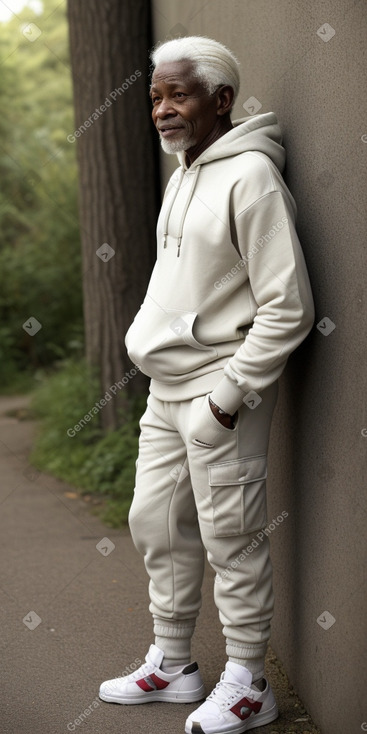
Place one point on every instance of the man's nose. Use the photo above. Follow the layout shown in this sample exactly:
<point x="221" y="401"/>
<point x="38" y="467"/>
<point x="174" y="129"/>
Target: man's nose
<point x="163" y="109"/>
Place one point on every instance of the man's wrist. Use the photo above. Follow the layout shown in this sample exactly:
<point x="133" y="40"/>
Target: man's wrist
<point x="228" y="395"/>
<point x="220" y="411"/>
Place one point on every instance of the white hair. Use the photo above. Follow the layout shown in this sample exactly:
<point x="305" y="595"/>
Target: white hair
<point x="214" y="64"/>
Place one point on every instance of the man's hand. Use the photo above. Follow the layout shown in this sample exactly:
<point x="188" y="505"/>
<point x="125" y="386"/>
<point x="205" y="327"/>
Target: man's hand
<point x="225" y="419"/>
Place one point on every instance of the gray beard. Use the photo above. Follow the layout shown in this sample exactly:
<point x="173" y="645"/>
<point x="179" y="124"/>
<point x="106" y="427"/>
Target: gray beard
<point x="175" y="146"/>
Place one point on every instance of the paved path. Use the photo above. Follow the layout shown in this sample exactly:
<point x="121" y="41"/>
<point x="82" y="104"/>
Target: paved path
<point x="73" y="615"/>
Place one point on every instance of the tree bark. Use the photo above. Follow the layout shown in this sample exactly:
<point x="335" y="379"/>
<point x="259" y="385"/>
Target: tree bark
<point x="118" y="179"/>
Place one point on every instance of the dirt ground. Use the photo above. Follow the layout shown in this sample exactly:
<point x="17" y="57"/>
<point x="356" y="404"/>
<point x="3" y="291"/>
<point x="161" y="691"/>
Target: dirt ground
<point x="294" y="717"/>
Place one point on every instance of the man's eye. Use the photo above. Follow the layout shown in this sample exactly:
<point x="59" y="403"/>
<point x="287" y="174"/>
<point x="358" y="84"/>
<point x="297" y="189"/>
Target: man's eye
<point x="177" y="95"/>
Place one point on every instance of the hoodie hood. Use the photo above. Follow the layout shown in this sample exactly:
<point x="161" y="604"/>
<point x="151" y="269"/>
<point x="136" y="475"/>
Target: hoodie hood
<point x="259" y="133"/>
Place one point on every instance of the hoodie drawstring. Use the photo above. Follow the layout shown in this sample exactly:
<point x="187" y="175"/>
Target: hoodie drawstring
<point x="188" y="202"/>
<point x="169" y="210"/>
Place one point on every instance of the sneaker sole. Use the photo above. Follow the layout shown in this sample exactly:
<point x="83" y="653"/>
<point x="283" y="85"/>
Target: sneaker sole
<point x="266" y="718"/>
<point x="184" y="697"/>
<point x="258" y="720"/>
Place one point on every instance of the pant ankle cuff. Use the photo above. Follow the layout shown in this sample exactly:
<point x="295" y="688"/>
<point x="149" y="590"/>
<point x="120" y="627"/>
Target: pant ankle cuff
<point x="173" y="628"/>
<point x="251" y="657"/>
<point x="243" y="650"/>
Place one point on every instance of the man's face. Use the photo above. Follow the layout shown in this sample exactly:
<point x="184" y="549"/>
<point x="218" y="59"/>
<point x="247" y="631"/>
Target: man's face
<point x="183" y="111"/>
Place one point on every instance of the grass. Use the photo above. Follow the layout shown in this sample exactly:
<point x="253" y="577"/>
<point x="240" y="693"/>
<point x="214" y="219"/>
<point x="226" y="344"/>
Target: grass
<point x="95" y="463"/>
<point x="18" y="383"/>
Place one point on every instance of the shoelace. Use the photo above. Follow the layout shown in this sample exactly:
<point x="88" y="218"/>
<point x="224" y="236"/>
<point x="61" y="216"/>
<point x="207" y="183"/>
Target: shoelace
<point x="225" y="692"/>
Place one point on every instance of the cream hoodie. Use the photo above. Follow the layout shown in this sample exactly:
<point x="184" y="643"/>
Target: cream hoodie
<point x="229" y="297"/>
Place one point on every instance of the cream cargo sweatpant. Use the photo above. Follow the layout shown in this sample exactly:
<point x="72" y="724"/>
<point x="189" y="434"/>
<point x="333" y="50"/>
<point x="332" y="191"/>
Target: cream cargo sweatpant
<point x="201" y="487"/>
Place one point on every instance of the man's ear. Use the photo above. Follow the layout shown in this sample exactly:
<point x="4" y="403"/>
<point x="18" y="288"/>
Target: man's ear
<point x="225" y="96"/>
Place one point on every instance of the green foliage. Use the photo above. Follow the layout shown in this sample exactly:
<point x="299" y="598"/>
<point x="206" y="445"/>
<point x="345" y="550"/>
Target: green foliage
<point x="40" y="264"/>
<point x="40" y="258"/>
<point x="100" y="464"/>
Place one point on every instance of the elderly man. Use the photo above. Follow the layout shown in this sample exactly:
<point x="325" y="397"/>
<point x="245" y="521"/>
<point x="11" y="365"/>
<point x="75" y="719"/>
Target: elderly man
<point x="229" y="299"/>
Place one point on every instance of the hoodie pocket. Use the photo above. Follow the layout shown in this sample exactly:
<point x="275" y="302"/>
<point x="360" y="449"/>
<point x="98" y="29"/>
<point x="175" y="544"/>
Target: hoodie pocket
<point x="161" y="341"/>
<point x="183" y="326"/>
<point x="238" y="494"/>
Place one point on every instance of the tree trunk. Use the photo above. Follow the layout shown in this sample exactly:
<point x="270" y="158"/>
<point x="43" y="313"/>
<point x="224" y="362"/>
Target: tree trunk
<point x="118" y="176"/>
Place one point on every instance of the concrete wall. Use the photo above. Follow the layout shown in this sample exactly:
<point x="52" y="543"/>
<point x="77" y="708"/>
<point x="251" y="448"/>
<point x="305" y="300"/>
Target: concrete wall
<point x="316" y="83"/>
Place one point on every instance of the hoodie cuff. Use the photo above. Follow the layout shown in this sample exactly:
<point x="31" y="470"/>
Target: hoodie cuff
<point x="227" y="395"/>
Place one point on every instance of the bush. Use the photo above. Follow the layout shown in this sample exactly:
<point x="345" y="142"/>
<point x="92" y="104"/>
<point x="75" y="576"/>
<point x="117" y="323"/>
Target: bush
<point x="97" y="463"/>
<point x="40" y="257"/>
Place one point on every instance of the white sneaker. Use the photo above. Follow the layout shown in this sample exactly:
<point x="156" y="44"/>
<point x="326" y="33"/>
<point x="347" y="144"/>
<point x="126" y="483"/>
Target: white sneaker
<point x="233" y="706"/>
<point x="150" y="683"/>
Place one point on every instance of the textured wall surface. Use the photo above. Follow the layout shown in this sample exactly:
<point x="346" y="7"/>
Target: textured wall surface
<point x="307" y="63"/>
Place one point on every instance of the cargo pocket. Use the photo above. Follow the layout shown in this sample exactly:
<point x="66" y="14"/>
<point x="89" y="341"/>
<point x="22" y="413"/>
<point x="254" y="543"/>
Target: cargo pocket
<point x="238" y="494"/>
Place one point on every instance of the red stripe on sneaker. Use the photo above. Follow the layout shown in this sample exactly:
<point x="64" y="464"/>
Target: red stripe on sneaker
<point x="144" y="685"/>
<point x="152" y="683"/>
<point x="159" y="682"/>
<point x="244" y="708"/>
